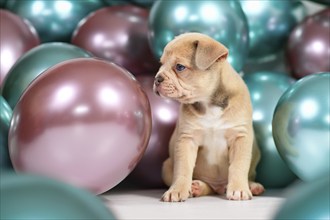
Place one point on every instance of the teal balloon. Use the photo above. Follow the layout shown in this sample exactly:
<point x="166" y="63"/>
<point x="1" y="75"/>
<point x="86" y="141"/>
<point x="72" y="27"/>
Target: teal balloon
<point x="266" y="88"/>
<point x="34" y="197"/>
<point x="301" y="126"/>
<point x="54" y="20"/>
<point x="222" y="20"/>
<point x="5" y="117"/>
<point x="144" y="3"/>
<point x="307" y="201"/>
<point x="5" y="111"/>
<point x="116" y="2"/>
<point x="33" y="63"/>
<point x="3" y="3"/>
<point x="270" y="24"/>
<point x="324" y="2"/>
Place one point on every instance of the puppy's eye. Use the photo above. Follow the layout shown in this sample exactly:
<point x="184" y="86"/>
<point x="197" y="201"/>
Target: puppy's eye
<point x="180" y="67"/>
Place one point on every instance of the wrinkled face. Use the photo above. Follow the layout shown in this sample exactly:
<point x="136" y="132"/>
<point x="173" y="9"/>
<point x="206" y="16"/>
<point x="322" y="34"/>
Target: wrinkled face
<point x="182" y="76"/>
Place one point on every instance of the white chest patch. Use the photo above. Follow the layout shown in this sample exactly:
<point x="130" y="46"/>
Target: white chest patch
<point x="214" y="135"/>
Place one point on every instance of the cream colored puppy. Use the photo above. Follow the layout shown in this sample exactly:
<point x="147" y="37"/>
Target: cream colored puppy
<point x="211" y="149"/>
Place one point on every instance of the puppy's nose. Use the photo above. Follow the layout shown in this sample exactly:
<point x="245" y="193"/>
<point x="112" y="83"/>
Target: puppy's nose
<point x="158" y="80"/>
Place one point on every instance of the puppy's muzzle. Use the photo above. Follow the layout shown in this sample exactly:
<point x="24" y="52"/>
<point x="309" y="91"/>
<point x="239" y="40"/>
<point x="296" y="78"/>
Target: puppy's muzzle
<point x="158" y="80"/>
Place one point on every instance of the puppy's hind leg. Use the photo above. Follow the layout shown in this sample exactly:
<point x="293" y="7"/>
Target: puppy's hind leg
<point x="256" y="188"/>
<point x="200" y="188"/>
<point x="167" y="172"/>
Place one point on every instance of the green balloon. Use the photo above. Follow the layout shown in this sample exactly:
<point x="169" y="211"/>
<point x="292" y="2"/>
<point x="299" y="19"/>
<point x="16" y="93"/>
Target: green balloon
<point x="222" y="20"/>
<point x="307" y="201"/>
<point x="34" y="197"/>
<point x="324" y="2"/>
<point x="5" y="117"/>
<point x="301" y="126"/>
<point x="266" y="89"/>
<point x="5" y="111"/>
<point x="144" y="3"/>
<point x="54" y="20"/>
<point x="270" y="24"/>
<point x="116" y="2"/>
<point x="3" y="3"/>
<point x="33" y="63"/>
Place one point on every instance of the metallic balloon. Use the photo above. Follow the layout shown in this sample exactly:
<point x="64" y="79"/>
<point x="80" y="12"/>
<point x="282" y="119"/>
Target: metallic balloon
<point x="3" y="3"/>
<point x="270" y="23"/>
<point x="144" y="3"/>
<point x="308" y="49"/>
<point x="5" y="117"/>
<point x="5" y="111"/>
<point x="33" y="63"/>
<point x="325" y="2"/>
<point x="16" y="37"/>
<point x="119" y="34"/>
<point x="222" y="20"/>
<point x="54" y="20"/>
<point x="164" y="116"/>
<point x="35" y="197"/>
<point x="301" y="126"/>
<point x="266" y="89"/>
<point x="116" y="2"/>
<point x="84" y="121"/>
<point x="307" y="201"/>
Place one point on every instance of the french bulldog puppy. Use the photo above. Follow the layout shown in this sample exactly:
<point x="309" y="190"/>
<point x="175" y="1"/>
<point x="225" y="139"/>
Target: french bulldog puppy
<point x="212" y="148"/>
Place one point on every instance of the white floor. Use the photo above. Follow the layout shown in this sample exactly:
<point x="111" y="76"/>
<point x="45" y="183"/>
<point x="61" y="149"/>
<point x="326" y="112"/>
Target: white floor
<point x="145" y="204"/>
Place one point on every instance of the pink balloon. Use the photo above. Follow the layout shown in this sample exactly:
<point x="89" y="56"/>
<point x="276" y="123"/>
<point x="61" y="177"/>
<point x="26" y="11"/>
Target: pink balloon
<point x="118" y="34"/>
<point x="84" y="121"/>
<point x="16" y="37"/>
<point x="164" y="116"/>
<point x="308" y="49"/>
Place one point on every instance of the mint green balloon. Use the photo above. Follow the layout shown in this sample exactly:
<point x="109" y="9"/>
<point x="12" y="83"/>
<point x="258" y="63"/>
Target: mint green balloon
<point x="35" y="197"/>
<point x="266" y="88"/>
<point x="307" y="201"/>
<point x="33" y="63"/>
<point x="54" y="20"/>
<point x="270" y="24"/>
<point x="301" y="126"/>
<point x="5" y="117"/>
<point x="222" y="20"/>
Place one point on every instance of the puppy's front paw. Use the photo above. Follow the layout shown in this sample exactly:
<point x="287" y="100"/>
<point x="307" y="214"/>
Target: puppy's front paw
<point x="238" y="193"/>
<point x="176" y="194"/>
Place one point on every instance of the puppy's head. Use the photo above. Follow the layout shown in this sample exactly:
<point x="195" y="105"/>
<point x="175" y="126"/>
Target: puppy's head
<point x="191" y="65"/>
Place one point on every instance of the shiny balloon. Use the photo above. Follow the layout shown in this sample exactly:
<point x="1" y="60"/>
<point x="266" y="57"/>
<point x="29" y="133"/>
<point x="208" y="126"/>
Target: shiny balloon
<point x="33" y="63"/>
<point x="119" y="34"/>
<point x="5" y="111"/>
<point x="144" y="3"/>
<point x="307" y="201"/>
<point x="3" y="3"/>
<point x="35" y="197"/>
<point x="116" y="2"/>
<point x="84" y="121"/>
<point x="324" y="2"/>
<point x="17" y="36"/>
<point x="54" y="20"/>
<point x="301" y="126"/>
<point x="165" y="112"/>
<point x="270" y="23"/>
<point x="222" y="20"/>
<point x="308" y="49"/>
<point x="266" y="89"/>
<point x="5" y="117"/>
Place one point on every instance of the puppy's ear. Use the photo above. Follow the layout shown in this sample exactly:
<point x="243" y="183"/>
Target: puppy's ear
<point x="208" y="52"/>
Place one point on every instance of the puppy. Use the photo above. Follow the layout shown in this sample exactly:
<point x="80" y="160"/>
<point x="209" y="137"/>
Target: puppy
<point x="212" y="148"/>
